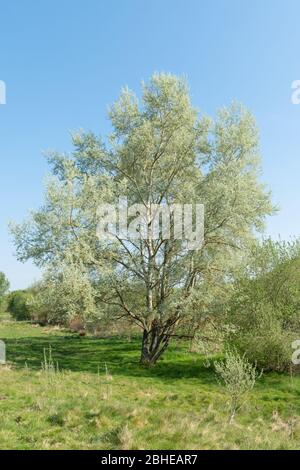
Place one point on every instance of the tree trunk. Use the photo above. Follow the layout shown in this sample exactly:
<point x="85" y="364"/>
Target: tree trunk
<point x="154" y="343"/>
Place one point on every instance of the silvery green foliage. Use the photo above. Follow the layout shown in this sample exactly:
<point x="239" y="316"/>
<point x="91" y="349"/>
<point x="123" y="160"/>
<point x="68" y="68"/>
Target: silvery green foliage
<point x="161" y="150"/>
<point x="238" y="376"/>
<point x="63" y="295"/>
<point x="4" y="284"/>
<point x="264" y="306"/>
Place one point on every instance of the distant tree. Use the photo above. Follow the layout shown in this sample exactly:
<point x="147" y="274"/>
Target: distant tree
<point x="4" y="284"/>
<point x="160" y="152"/>
<point x="18" y="306"/>
<point x="62" y="297"/>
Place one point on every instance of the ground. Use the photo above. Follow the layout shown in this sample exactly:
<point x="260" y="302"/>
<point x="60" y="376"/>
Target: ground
<point x="98" y="397"/>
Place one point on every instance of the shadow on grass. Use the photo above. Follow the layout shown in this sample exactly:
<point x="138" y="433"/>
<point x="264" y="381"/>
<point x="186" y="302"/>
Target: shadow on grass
<point x="86" y="354"/>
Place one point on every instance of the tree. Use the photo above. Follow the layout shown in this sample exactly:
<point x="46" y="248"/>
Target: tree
<point x="18" y="305"/>
<point x="160" y="152"/>
<point x="4" y="286"/>
<point x="62" y="297"/>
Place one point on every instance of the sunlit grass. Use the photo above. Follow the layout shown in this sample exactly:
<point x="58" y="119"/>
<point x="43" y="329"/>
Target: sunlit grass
<point x="102" y="399"/>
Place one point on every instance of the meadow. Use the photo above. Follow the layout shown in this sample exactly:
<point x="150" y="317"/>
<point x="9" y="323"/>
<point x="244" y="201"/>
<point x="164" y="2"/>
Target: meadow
<point x="93" y="394"/>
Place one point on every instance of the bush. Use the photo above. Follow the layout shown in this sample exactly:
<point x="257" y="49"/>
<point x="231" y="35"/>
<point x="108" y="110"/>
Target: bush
<point x="4" y="286"/>
<point x="238" y="376"/>
<point x="18" y="305"/>
<point x="63" y="296"/>
<point x="76" y="325"/>
<point x="264" y="309"/>
<point x="268" y="344"/>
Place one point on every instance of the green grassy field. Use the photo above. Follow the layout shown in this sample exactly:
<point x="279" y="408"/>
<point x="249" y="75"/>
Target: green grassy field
<point x="102" y="399"/>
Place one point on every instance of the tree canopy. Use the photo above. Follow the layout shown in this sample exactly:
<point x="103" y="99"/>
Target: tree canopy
<point x="161" y="151"/>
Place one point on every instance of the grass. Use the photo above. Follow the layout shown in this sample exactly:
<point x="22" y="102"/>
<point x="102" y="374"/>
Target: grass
<point x="100" y="398"/>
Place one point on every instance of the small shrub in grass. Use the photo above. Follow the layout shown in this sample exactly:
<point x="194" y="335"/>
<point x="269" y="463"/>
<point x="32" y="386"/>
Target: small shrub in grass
<point x="238" y="376"/>
<point x="18" y="305"/>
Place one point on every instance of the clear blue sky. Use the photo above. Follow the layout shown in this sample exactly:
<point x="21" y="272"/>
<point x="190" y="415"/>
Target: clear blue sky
<point x="64" y="62"/>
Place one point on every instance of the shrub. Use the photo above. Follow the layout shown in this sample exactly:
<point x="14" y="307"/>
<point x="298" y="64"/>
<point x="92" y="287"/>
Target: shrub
<point x="264" y="309"/>
<point x="18" y="305"/>
<point x="62" y="296"/>
<point x="238" y="376"/>
<point x="77" y="325"/>
<point x="268" y="343"/>
<point x="4" y="286"/>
